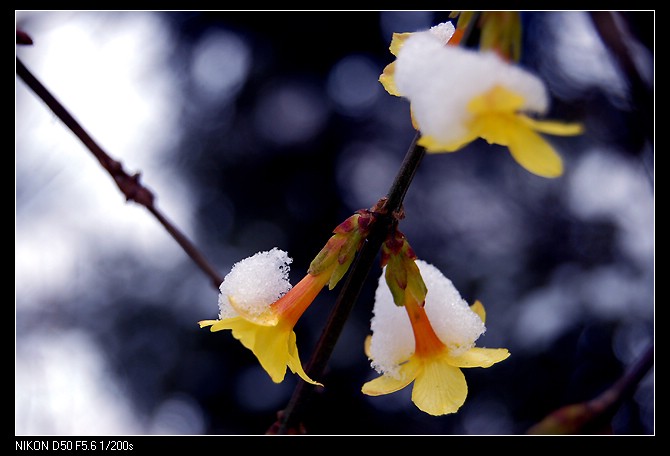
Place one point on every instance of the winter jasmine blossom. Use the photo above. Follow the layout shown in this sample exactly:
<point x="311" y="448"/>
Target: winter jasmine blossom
<point x="259" y="306"/>
<point x="427" y="343"/>
<point x="458" y="95"/>
<point x="442" y="32"/>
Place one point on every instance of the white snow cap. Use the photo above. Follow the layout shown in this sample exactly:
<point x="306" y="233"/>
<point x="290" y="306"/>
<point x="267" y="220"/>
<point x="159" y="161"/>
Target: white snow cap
<point x="255" y="283"/>
<point x="443" y="31"/>
<point x="440" y="81"/>
<point x="456" y="325"/>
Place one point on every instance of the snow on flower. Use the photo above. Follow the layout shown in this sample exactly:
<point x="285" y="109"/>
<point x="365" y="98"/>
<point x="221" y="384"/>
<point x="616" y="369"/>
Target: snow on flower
<point x="430" y="347"/>
<point x="259" y="306"/>
<point x="458" y="95"/>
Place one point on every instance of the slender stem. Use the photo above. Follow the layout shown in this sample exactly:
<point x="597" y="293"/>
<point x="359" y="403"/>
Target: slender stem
<point x="403" y="179"/>
<point x="129" y="185"/>
<point x="387" y="216"/>
<point x="594" y="416"/>
<point x="626" y="385"/>
<point x="190" y="249"/>
<point x="616" y="36"/>
<point x="602" y="408"/>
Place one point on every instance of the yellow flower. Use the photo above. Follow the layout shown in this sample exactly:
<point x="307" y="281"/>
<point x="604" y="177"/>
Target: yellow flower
<point x="431" y="348"/>
<point x="443" y="32"/>
<point x="457" y="95"/>
<point x="496" y="117"/>
<point x="269" y="335"/>
<point x="261" y="309"/>
<point x="257" y="303"/>
<point x="439" y="385"/>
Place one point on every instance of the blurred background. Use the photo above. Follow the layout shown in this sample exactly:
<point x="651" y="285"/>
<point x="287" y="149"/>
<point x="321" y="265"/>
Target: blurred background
<point x="267" y="129"/>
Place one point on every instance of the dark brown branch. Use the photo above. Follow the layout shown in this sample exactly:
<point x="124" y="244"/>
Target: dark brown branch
<point x="593" y="416"/>
<point x="129" y="185"/>
<point x="23" y="38"/>
<point x="388" y="211"/>
<point x="615" y="35"/>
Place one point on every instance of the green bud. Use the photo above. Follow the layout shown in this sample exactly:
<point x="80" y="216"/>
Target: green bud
<point x="402" y="274"/>
<point x="339" y="252"/>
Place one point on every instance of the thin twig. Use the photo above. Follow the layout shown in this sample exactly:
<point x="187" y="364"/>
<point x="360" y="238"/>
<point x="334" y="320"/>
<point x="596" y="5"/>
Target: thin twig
<point x="388" y="212"/>
<point x="615" y="35"/>
<point x="593" y="416"/>
<point x="129" y="185"/>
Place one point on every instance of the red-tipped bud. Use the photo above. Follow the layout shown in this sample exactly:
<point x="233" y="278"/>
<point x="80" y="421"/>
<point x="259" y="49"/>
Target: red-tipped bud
<point x="339" y="252"/>
<point x="402" y="274"/>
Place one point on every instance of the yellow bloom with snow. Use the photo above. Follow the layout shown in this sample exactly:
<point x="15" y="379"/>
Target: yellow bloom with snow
<point x="261" y="309"/>
<point x="257" y="303"/>
<point x="459" y="95"/>
<point x="430" y="347"/>
<point x="442" y="32"/>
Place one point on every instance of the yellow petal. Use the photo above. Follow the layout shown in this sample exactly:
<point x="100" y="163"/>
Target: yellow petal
<point x="366" y="346"/>
<point x="274" y="346"/>
<point x="388" y="81"/>
<point x="497" y="99"/>
<point x="535" y="154"/>
<point x="552" y="127"/>
<point x="267" y="318"/>
<point x="479" y="357"/>
<point x="294" y="360"/>
<point x="397" y="40"/>
<point x="271" y="347"/>
<point x="439" y="388"/>
<point x="415" y="124"/>
<point x="496" y="127"/>
<point x="434" y="145"/>
<point x="387" y="76"/>
<point x="478" y="308"/>
<point x="218" y="325"/>
<point x="386" y="384"/>
<point x="268" y="343"/>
